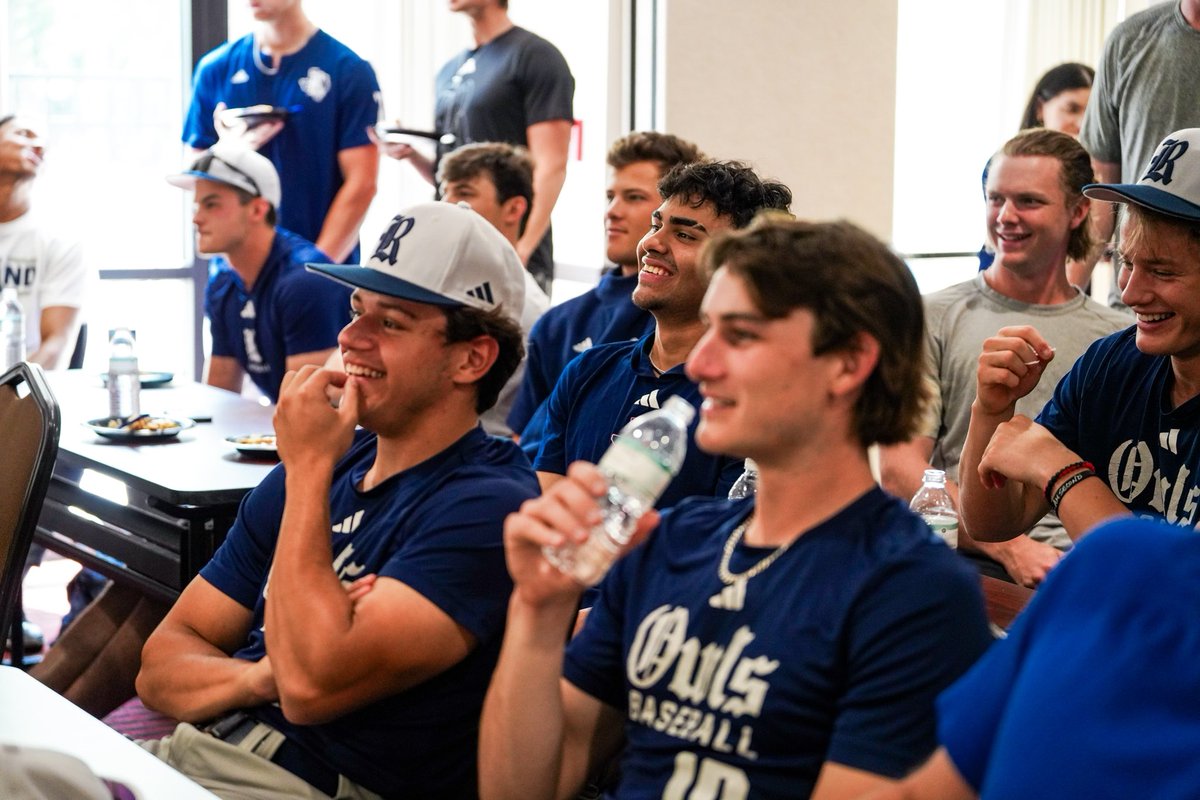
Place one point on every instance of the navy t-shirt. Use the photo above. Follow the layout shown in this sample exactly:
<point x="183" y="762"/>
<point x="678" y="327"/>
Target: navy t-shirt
<point x="602" y="314"/>
<point x="435" y="527"/>
<point x="1095" y="692"/>
<point x="837" y="654"/>
<point x="1114" y="409"/>
<point x="289" y="311"/>
<point x="335" y="98"/>
<point x="604" y="388"/>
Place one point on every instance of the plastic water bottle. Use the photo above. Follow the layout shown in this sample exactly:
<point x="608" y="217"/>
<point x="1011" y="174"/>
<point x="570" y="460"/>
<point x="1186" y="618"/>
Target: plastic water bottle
<point x="12" y="326"/>
<point x="639" y="464"/>
<point x="747" y="483"/>
<point x="933" y="503"/>
<point x="124" y="386"/>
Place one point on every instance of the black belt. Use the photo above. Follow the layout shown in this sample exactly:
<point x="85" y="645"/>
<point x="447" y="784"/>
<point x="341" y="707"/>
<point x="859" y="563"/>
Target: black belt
<point x="236" y="726"/>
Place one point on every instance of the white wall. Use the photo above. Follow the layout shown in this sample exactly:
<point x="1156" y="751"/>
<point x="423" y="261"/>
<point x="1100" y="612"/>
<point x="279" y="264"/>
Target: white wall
<point x="804" y="90"/>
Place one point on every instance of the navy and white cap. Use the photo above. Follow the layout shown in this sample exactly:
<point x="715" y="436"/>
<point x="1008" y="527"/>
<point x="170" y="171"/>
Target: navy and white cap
<point x="233" y="165"/>
<point x="1171" y="183"/>
<point x="443" y="254"/>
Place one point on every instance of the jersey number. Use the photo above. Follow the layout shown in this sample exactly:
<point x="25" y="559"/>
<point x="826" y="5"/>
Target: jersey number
<point x="713" y="780"/>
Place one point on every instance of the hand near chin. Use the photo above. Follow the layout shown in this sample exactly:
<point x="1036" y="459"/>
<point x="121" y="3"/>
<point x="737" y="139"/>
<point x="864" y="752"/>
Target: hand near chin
<point x="1022" y="450"/>
<point x="309" y="429"/>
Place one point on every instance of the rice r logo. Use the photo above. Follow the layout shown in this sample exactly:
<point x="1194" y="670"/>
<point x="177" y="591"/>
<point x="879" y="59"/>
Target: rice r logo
<point x="1163" y="163"/>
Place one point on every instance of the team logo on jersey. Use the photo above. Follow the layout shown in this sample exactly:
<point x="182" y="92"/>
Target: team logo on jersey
<point x="349" y="524"/>
<point x="586" y="344"/>
<point x="316" y="84"/>
<point x="731" y="597"/>
<point x="239" y="77"/>
<point x="18" y="273"/>
<point x="248" y="310"/>
<point x="649" y="400"/>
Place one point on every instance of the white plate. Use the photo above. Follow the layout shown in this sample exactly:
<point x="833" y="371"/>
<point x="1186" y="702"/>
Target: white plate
<point x="252" y="447"/>
<point x="101" y="428"/>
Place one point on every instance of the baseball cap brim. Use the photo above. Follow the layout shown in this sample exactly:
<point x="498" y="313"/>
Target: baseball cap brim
<point x="187" y="180"/>
<point x="1143" y="195"/>
<point x="375" y="281"/>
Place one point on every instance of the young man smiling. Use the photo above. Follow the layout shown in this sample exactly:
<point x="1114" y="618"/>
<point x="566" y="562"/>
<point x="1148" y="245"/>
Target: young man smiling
<point x="1037" y="217"/>
<point x="361" y="673"/>
<point x="608" y="385"/>
<point x="637" y="163"/>
<point x="267" y="314"/>
<point x="1120" y="433"/>
<point x="781" y="647"/>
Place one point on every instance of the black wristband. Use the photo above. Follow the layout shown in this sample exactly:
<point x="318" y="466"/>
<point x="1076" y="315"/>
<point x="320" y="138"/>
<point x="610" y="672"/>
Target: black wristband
<point x="1049" y="490"/>
<point x="1067" y="484"/>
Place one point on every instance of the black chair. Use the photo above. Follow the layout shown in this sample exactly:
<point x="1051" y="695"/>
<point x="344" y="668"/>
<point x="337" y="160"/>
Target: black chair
<point x="29" y="426"/>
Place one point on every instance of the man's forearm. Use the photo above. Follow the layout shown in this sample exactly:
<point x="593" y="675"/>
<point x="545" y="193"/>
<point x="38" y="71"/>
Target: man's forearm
<point x="989" y="513"/>
<point x="523" y="729"/>
<point x="547" y="185"/>
<point x="307" y="611"/>
<point x="339" y="232"/>
<point x="189" y="679"/>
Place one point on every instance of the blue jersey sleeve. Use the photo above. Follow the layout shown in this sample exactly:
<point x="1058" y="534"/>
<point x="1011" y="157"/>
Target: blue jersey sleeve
<point x="1062" y="413"/>
<point x="359" y="107"/>
<point x="535" y="383"/>
<point x="239" y="567"/>
<point x="198" y="129"/>
<point x="916" y="629"/>
<point x="552" y="445"/>
<point x="457" y="560"/>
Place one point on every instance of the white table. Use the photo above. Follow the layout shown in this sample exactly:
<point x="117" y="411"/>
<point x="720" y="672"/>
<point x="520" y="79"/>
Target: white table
<point x="34" y="716"/>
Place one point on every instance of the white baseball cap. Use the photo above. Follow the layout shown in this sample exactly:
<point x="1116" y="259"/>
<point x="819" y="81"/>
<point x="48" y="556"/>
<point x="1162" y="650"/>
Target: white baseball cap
<point x="1171" y="183"/>
<point x="233" y="165"/>
<point x="443" y="254"/>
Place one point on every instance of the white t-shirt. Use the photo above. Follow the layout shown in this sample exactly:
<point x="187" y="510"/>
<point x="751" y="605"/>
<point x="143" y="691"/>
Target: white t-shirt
<point x="46" y="269"/>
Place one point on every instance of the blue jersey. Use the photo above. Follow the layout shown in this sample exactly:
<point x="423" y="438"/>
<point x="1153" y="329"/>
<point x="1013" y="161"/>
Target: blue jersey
<point x="835" y="652"/>
<point x="1095" y="692"/>
<point x="1114" y="409"/>
<point x="335" y="98"/>
<point x="435" y="527"/>
<point x="288" y="311"/>
<point x="603" y="389"/>
<point x="602" y="314"/>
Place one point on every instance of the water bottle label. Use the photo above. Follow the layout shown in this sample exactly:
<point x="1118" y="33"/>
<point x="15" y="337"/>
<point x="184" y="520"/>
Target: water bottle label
<point x="637" y="467"/>
<point x="945" y="527"/>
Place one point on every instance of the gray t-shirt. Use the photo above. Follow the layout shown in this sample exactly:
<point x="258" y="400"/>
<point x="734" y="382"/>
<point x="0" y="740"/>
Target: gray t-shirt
<point x="958" y="319"/>
<point x="1146" y="86"/>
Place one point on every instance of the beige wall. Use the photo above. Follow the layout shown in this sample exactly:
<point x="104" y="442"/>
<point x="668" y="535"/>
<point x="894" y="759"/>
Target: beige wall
<point x="803" y="89"/>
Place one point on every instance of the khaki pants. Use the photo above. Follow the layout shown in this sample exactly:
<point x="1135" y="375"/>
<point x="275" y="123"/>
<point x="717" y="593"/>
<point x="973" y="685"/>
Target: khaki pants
<point x="242" y="771"/>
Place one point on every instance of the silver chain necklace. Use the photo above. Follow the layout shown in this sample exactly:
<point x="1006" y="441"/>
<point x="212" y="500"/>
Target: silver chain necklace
<point x="727" y="577"/>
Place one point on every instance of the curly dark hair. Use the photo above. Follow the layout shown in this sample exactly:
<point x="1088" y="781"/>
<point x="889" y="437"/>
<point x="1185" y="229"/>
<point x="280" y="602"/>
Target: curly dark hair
<point x="733" y="189"/>
<point x="465" y="323"/>
<point x="852" y="283"/>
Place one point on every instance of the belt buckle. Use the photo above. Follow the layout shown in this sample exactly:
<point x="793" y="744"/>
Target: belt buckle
<point x="224" y="726"/>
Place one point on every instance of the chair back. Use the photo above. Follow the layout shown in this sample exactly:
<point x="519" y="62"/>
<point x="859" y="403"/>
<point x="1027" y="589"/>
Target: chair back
<point x="29" y="426"/>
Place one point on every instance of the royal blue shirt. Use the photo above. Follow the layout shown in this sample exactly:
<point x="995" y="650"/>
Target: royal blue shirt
<point x="602" y="314"/>
<point x="1114" y="409"/>
<point x="334" y="96"/>
<point x="288" y="311"/>
<point x="834" y="652"/>
<point x="435" y="527"/>
<point x="604" y="388"/>
<point x="1095" y="692"/>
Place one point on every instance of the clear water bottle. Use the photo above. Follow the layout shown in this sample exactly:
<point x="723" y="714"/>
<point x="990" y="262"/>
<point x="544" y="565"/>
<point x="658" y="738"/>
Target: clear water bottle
<point x="639" y="464"/>
<point x="933" y="503"/>
<point x="124" y="385"/>
<point x="12" y="328"/>
<point x="747" y="483"/>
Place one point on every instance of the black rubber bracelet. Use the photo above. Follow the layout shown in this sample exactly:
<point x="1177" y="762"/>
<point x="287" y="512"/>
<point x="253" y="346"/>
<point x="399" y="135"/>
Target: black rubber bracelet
<point x="1048" y="491"/>
<point x="1067" y="484"/>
